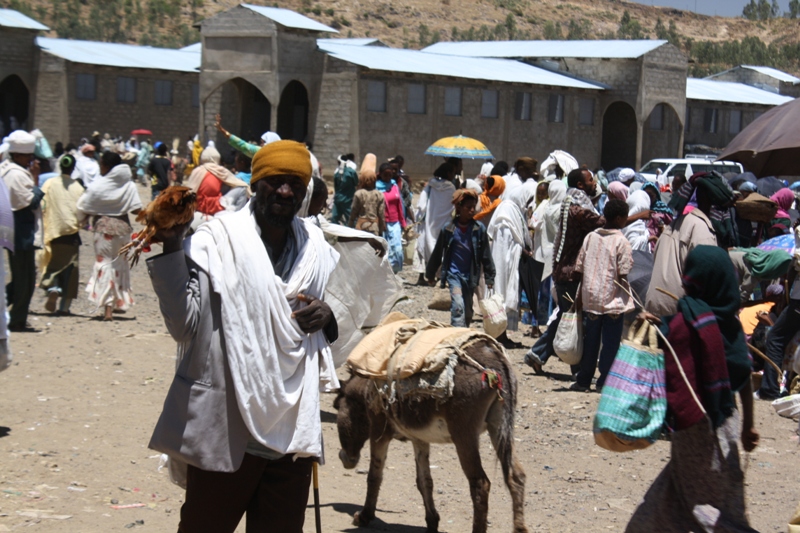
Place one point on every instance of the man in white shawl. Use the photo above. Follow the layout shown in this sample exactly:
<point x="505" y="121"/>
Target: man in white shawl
<point x="434" y="210"/>
<point x="243" y="299"/>
<point x="510" y="237"/>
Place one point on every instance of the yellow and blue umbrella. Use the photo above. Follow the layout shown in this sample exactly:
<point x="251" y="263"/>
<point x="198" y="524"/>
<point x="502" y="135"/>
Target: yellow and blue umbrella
<point x="459" y="146"/>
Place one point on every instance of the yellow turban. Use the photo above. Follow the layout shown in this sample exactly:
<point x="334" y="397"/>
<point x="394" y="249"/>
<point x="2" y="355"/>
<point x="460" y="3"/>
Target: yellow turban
<point x="282" y="158"/>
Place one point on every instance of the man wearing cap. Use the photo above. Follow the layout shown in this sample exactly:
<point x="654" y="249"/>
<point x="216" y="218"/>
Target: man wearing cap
<point x="242" y="297"/>
<point x="86" y="166"/>
<point x="21" y="175"/>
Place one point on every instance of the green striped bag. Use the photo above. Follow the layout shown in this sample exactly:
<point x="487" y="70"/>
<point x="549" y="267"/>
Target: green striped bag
<point x="633" y="404"/>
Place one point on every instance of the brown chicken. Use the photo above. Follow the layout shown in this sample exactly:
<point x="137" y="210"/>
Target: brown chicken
<point x="175" y="206"/>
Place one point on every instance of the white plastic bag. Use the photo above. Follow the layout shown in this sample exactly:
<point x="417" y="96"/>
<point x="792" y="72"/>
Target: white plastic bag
<point x="568" y="342"/>
<point x="493" y="309"/>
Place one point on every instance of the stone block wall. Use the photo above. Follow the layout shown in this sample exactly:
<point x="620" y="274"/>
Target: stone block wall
<point x="52" y="113"/>
<point x="336" y="124"/>
<point x="695" y="131"/>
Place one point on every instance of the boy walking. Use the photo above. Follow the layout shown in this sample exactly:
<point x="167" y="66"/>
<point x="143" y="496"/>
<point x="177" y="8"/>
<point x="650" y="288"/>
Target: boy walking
<point x="461" y="249"/>
<point x="604" y="259"/>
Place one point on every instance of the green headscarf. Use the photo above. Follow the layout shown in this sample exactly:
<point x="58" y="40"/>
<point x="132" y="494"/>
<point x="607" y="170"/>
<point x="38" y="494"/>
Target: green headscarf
<point x="767" y="264"/>
<point x="711" y="285"/>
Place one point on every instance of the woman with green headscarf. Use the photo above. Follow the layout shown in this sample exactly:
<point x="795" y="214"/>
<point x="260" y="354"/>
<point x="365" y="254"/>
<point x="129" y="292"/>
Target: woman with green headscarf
<point x="753" y="265"/>
<point x="702" y="486"/>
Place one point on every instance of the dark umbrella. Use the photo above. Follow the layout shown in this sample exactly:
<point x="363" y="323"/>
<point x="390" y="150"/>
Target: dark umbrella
<point x="639" y="276"/>
<point x="745" y="176"/>
<point x="770" y="145"/>
<point x="768" y="186"/>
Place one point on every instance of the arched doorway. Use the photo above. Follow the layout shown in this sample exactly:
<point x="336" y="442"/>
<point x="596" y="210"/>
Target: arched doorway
<point x="293" y="112"/>
<point x="245" y="111"/>
<point x="13" y="104"/>
<point x="619" y="136"/>
<point x="662" y="133"/>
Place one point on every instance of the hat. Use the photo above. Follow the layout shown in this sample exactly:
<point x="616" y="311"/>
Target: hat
<point x="21" y="142"/>
<point x="129" y="156"/>
<point x="626" y="174"/>
<point x="95" y="133"/>
<point x="282" y="158"/>
<point x="270" y="137"/>
<point x="86" y="148"/>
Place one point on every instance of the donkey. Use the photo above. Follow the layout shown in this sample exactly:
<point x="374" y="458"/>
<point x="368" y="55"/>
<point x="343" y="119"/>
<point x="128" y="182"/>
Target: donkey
<point x="460" y="419"/>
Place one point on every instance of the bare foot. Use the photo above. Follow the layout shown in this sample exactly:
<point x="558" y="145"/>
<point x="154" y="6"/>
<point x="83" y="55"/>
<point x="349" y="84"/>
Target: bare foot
<point x="108" y="316"/>
<point x="52" y="299"/>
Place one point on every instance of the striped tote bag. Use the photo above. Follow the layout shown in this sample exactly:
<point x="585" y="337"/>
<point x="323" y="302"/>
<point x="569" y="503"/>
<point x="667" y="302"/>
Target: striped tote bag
<point x="633" y="404"/>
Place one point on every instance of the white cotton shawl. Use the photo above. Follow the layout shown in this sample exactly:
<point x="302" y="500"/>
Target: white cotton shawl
<point x="557" y="192"/>
<point x="111" y="195"/>
<point x="434" y="209"/>
<point x="509" y="233"/>
<point x="277" y="369"/>
<point x="636" y="232"/>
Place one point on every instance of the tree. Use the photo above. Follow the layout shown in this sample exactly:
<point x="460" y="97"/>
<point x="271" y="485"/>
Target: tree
<point x="775" y="10"/>
<point x="629" y="28"/>
<point x="552" y="32"/>
<point x="794" y="8"/>
<point x="750" y="11"/>
<point x="764" y="10"/>
<point x="580" y="30"/>
<point x="424" y="35"/>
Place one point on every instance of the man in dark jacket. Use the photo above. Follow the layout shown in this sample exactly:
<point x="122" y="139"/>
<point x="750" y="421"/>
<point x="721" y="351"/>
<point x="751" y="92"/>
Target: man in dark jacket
<point x="462" y="249"/>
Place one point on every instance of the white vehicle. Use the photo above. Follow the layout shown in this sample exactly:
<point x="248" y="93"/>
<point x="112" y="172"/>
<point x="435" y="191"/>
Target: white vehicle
<point x="671" y="167"/>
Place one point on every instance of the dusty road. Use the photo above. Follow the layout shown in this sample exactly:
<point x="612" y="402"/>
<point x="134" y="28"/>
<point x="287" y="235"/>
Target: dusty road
<point x="82" y="397"/>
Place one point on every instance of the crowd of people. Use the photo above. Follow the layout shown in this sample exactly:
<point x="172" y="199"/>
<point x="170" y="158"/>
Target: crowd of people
<point x="546" y="239"/>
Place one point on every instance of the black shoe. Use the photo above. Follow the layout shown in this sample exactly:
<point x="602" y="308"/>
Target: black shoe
<point x="577" y="387"/>
<point x="27" y="328"/>
<point x="421" y="280"/>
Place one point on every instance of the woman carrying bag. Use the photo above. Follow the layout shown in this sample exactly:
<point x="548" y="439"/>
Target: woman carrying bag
<point x="702" y="487"/>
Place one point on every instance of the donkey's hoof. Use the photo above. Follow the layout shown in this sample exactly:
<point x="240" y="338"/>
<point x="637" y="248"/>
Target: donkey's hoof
<point x="361" y="520"/>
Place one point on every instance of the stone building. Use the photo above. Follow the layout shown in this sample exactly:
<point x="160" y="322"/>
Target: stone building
<point x="69" y="88"/>
<point x="609" y="103"/>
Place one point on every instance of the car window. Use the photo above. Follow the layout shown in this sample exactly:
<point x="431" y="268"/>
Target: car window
<point x="652" y="166"/>
<point x="677" y="169"/>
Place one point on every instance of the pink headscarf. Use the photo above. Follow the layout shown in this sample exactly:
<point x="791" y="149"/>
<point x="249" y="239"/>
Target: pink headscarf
<point x="618" y="190"/>
<point x="784" y="199"/>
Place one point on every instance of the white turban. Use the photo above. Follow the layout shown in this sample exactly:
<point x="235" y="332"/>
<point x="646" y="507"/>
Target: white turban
<point x="21" y="142"/>
<point x="210" y="155"/>
<point x="626" y="174"/>
<point x="270" y="137"/>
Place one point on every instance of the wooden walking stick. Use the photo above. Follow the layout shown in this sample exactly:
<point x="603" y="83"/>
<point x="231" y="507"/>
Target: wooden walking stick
<point x="315" y="477"/>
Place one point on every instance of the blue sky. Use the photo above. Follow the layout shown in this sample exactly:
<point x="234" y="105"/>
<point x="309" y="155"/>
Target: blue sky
<point x="726" y="8"/>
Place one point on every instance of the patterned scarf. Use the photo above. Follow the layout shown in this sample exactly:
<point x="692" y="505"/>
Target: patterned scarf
<point x="658" y="204"/>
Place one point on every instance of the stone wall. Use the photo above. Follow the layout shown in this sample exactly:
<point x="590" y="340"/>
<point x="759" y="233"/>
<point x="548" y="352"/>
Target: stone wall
<point x="106" y="114"/>
<point x="336" y="124"/>
<point x="398" y="132"/>
<point x="663" y="82"/>
<point x="17" y="57"/>
<point x="52" y="111"/>
<point x="695" y="128"/>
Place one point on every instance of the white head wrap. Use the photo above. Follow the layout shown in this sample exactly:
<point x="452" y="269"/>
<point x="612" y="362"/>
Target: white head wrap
<point x="626" y="174"/>
<point x="21" y="142"/>
<point x="210" y="155"/>
<point x="270" y="137"/>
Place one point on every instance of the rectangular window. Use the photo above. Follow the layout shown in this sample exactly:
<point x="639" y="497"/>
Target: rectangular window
<point x="586" y="112"/>
<point x="710" y="120"/>
<point x="85" y="87"/>
<point x="126" y="89"/>
<point x="163" y="92"/>
<point x="489" y="103"/>
<point x="416" y="99"/>
<point x="555" y="108"/>
<point x="195" y="95"/>
<point x="657" y="117"/>
<point x="452" y="101"/>
<point x="376" y="96"/>
<point x="735" y="124"/>
<point x="522" y="106"/>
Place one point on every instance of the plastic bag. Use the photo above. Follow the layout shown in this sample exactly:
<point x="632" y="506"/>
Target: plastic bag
<point x="493" y="309"/>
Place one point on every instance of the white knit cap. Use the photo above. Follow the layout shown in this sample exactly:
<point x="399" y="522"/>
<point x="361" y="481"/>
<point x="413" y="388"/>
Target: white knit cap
<point x="270" y="137"/>
<point x="21" y="142"/>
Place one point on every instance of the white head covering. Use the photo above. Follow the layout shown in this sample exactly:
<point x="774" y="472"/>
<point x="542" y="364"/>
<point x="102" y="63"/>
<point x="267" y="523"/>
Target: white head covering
<point x="210" y="144"/>
<point x="636" y="186"/>
<point x="270" y="137"/>
<point x="626" y="174"/>
<point x="210" y="155"/>
<point x="638" y="202"/>
<point x="21" y="142"/>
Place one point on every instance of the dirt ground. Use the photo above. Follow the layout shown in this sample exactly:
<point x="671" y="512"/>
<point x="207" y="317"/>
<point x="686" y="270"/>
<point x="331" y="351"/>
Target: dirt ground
<point x="82" y="397"/>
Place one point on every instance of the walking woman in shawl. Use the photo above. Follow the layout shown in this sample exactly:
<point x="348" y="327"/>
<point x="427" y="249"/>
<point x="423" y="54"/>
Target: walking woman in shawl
<point x="108" y="201"/>
<point x="395" y="220"/>
<point x="62" y="241"/>
<point x="368" y="212"/>
<point x="489" y="199"/>
<point x="217" y="188"/>
<point x="702" y="486"/>
<point x="660" y="214"/>
<point x="636" y="230"/>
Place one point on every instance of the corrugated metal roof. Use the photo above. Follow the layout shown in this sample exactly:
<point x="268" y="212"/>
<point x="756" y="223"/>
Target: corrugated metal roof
<point x="544" y="49"/>
<point x="289" y="18"/>
<point x="355" y="41"/>
<point x="14" y="19"/>
<point x="774" y="73"/>
<point x="196" y="47"/>
<point x="417" y="62"/>
<point x="726" y="91"/>
<point x="121" y="55"/>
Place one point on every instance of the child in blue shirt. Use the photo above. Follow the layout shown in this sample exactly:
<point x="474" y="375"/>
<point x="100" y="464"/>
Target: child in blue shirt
<point x="462" y="250"/>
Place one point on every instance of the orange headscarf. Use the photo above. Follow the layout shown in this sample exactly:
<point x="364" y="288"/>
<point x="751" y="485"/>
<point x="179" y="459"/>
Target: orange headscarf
<point x="487" y="204"/>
